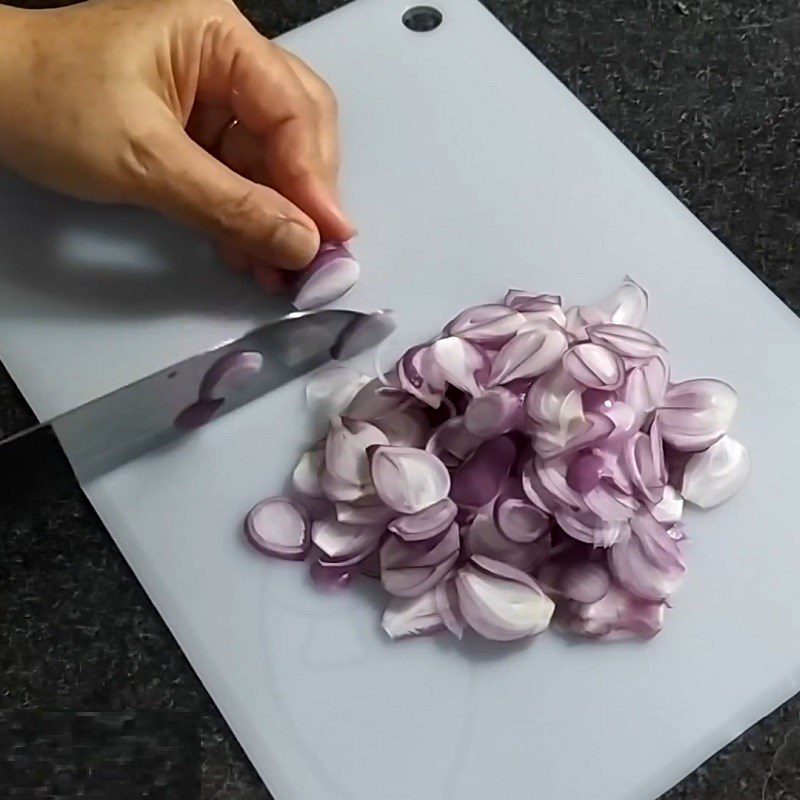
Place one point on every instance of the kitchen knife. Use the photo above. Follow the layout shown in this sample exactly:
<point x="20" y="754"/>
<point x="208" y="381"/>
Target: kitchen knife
<point x="169" y="404"/>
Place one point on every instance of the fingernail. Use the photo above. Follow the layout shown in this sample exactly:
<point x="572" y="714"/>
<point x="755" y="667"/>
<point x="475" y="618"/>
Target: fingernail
<point x="295" y="245"/>
<point x="352" y="231"/>
<point x="335" y="210"/>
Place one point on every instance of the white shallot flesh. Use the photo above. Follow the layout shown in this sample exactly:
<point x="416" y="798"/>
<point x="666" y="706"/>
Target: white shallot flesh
<point x="527" y="468"/>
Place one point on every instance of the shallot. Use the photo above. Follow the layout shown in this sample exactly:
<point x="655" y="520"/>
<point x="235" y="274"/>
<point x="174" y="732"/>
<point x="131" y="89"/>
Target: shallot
<point x="526" y="468"/>
<point x="330" y="275"/>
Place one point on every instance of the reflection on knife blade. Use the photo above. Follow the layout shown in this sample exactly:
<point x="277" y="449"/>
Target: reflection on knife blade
<point x="158" y="409"/>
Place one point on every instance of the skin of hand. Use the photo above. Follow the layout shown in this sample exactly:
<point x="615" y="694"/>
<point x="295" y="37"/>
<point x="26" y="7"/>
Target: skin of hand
<point x="183" y="107"/>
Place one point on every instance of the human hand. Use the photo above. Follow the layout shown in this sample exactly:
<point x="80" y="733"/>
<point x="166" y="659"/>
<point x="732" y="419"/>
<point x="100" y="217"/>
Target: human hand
<point x="183" y="107"/>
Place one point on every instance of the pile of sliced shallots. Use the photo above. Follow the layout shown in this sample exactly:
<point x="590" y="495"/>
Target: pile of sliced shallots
<point x="530" y="464"/>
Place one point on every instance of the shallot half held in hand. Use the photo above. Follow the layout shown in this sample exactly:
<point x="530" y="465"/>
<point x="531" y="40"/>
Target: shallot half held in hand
<point x="528" y="466"/>
<point x="330" y="275"/>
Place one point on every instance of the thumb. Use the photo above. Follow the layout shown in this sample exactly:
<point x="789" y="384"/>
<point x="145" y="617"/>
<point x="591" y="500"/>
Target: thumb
<point x="183" y="181"/>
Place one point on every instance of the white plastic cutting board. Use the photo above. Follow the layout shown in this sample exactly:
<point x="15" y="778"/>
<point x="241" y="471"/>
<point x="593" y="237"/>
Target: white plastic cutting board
<point x="469" y="169"/>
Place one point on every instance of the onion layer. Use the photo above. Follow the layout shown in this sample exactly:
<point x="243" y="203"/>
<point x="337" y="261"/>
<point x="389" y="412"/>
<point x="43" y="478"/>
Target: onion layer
<point x="530" y="464"/>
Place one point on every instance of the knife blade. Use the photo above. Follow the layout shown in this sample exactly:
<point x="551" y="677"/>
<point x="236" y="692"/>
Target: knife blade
<point x="160" y="408"/>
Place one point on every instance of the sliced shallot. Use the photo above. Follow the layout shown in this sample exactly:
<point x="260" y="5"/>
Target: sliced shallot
<point x="594" y="366"/>
<point x="696" y="414"/>
<point x="714" y="476"/>
<point x="461" y="363"/>
<point x="628" y="305"/>
<point x="615" y="616"/>
<point x="407" y="427"/>
<point x="528" y="354"/>
<point x="408" y="571"/>
<point x="648" y="562"/>
<point x="420" y="376"/>
<point x="307" y="473"/>
<point x="585" y="581"/>
<point x="408" y="479"/>
<point x="483" y="538"/>
<point x="519" y="520"/>
<point x="373" y="513"/>
<point x="524" y="440"/>
<point x="500" y="602"/>
<point x="487" y="325"/>
<point x="330" y="275"/>
<point x="646" y="384"/>
<point x="426" y="524"/>
<point x="346" y="449"/>
<point x="341" y="542"/>
<point x="279" y="527"/>
<point x="494" y="412"/>
<point x="479" y="479"/>
<point x="328" y="392"/>
<point x="373" y="400"/>
<point x="625" y="340"/>
<point x="412" y="616"/>
<point x="446" y="598"/>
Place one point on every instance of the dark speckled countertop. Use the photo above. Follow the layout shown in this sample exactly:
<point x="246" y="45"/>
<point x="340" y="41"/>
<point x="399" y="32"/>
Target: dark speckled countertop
<point x="706" y="93"/>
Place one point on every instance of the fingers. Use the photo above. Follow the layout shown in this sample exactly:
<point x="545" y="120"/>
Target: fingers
<point x="243" y="152"/>
<point x="327" y="115"/>
<point x="317" y="192"/>
<point x="269" y="280"/>
<point x="207" y="123"/>
<point x="267" y="277"/>
<point x="179" y="178"/>
<point x="287" y="109"/>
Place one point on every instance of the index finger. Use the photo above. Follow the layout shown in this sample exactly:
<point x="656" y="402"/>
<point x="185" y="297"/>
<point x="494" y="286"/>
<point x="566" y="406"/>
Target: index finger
<point x="239" y="67"/>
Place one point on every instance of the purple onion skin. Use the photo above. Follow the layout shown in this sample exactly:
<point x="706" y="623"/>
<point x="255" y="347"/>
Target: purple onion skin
<point x="260" y="539"/>
<point x="585" y="472"/>
<point x="478" y="480"/>
<point x="489" y="515"/>
<point x="331" y="274"/>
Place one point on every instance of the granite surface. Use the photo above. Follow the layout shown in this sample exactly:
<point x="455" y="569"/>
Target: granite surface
<point x="706" y="93"/>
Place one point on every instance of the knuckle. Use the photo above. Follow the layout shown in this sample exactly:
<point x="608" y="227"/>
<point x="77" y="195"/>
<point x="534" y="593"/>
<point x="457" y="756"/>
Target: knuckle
<point x="299" y="174"/>
<point x="139" y="161"/>
<point x="326" y="98"/>
<point x="298" y="165"/>
<point x="237" y="214"/>
<point x="286" y="239"/>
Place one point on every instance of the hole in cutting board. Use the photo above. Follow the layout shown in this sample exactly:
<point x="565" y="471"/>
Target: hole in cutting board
<point x="422" y="19"/>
